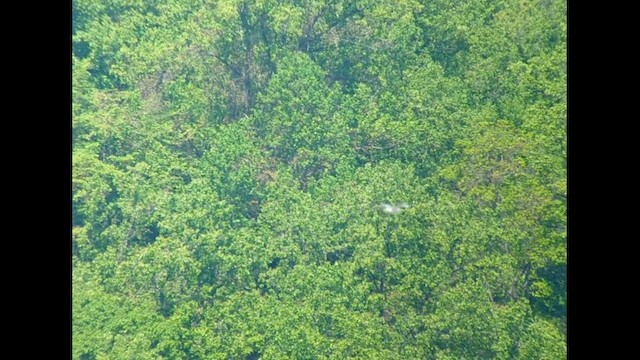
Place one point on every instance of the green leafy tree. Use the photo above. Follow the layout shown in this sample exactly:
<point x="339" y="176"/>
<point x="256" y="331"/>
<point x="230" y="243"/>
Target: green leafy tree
<point x="319" y="179"/>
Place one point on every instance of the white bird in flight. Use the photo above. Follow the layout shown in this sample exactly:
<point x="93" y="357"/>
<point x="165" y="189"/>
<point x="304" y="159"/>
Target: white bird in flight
<point x="393" y="209"/>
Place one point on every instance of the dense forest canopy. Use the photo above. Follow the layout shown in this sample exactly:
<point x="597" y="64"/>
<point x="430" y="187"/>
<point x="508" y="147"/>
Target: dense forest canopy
<point x="319" y="179"/>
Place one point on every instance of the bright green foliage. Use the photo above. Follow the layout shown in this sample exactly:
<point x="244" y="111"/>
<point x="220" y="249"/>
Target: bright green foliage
<point x="297" y="118"/>
<point x="231" y="160"/>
